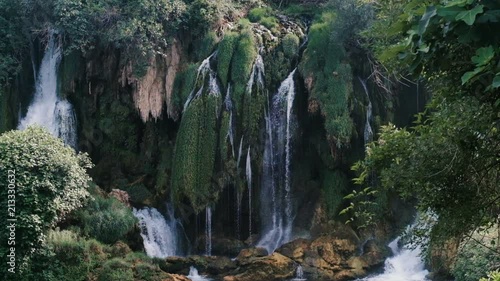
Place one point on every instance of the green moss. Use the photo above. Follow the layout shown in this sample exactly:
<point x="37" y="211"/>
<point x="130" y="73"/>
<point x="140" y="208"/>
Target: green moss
<point x="331" y="77"/>
<point x="224" y="55"/>
<point x="290" y="45"/>
<point x="241" y="66"/>
<point x="205" y="46"/>
<point x="194" y="155"/>
<point x="335" y="183"/>
<point x="263" y="16"/>
<point x="184" y="83"/>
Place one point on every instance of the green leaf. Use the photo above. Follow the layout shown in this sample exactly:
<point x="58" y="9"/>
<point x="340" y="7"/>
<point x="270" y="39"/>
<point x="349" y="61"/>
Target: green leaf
<point x="449" y="13"/>
<point x="459" y="3"/>
<point x="496" y="81"/>
<point x="483" y="56"/>
<point x="469" y="75"/>
<point x="469" y="16"/>
<point x="426" y="18"/>
<point x="489" y="16"/>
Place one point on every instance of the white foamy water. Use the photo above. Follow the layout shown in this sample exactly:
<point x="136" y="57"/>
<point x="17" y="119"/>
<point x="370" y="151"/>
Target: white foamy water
<point x="405" y="265"/>
<point x="195" y="276"/>
<point x="47" y="109"/>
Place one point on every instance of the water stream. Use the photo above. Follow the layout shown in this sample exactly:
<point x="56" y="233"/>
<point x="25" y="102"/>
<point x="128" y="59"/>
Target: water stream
<point x="159" y="234"/>
<point x="195" y="276"/>
<point x="47" y="109"/>
<point x="368" y="134"/>
<point x="276" y="201"/>
<point x="405" y="265"/>
<point x="208" y="231"/>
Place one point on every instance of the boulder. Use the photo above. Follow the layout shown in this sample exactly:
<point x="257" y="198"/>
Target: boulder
<point x="245" y="254"/>
<point x="270" y="268"/>
<point x="209" y="265"/>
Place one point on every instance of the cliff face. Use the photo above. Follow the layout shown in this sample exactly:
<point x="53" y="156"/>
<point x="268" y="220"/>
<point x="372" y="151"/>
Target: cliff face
<point x="192" y="124"/>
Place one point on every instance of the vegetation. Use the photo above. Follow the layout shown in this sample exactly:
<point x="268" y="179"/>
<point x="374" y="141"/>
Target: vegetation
<point x="47" y="180"/>
<point x="106" y="219"/>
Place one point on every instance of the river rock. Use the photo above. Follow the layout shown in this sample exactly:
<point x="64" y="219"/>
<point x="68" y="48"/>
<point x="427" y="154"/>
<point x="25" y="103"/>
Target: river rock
<point x="251" y="252"/>
<point x="210" y="265"/>
<point x="270" y="268"/>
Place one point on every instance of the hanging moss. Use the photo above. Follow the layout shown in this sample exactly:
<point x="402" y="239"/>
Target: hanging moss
<point x="330" y="78"/>
<point x="205" y="45"/>
<point x="194" y="155"/>
<point x="241" y="65"/>
<point x="335" y="183"/>
<point x="224" y="145"/>
<point x="263" y="16"/>
<point x="184" y="83"/>
<point x="224" y="55"/>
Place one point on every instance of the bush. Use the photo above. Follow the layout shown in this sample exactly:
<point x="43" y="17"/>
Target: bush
<point x="475" y="259"/>
<point x="290" y="45"/>
<point x="107" y="219"/>
<point x="492" y="276"/>
<point x="46" y="179"/>
<point x="116" y="270"/>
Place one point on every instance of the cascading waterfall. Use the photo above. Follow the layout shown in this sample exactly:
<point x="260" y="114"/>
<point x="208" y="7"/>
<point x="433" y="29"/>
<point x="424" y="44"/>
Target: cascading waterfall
<point x="208" y="231"/>
<point x="257" y="74"/>
<point x="238" y="194"/>
<point x="299" y="274"/>
<point x="47" y="109"/>
<point x="195" y="276"/>
<point x="276" y="198"/>
<point x="204" y="69"/>
<point x="228" y="102"/>
<point x="159" y="235"/>
<point x="249" y="182"/>
<point x="405" y="265"/>
<point x="368" y="127"/>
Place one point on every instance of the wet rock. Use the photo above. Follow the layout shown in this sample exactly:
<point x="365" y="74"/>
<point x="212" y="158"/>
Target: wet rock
<point x="245" y="254"/>
<point x="209" y="265"/>
<point x="121" y="196"/>
<point x="269" y="268"/>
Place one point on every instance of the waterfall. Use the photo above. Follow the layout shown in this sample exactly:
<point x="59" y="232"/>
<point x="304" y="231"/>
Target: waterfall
<point x="368" y="128"/>
<point x="249" y="182"/>
<point x="238" y="194"/>
<point x="276" y="198"/>
<point x="47" y="109"/>
<point x="228" y="102"/>
<point x="159" y="235"/>
<point x="299" y="274"/>
<point x="195" y="276"/>
<point x="405" y="265"/>
<point x="208" y="231"/>
<point x="204" y="69"/>
<point x="257" y="74"/>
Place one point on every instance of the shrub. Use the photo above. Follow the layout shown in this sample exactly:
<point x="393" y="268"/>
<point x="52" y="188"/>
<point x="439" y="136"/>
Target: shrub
<point x="49" y="180"/>
<point x="290" y="45"/>
<point x="116" y="270"/>
<point x="475" y="259"/>
<point x="107" y="219"/>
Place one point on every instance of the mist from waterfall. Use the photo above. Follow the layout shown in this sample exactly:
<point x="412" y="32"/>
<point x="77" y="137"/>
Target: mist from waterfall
<point x="160" y="235"/>
<point x="47" y="109"/>
<point x="276" y="201"/>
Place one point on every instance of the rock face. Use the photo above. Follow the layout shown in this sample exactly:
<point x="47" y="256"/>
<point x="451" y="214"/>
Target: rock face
<point x="332" y="258"/>
<point x="269" y="268"/>
<point x="213" y="265"/>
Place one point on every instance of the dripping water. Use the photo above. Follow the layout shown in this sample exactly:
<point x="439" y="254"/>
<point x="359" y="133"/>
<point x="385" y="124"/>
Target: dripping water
<point x="208" y="231"/>
<point x="299" y="274"/>
<point x="249" y="182"/>
<point x="204" y="69"/>
<point x="368" y="133"/>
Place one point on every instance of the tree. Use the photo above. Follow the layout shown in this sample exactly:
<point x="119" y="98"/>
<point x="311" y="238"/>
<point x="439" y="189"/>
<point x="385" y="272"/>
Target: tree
<point x="450" y="160"/>
<point x="42" y="181"/>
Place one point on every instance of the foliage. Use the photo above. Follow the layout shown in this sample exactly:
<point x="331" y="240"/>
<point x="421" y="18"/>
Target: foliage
<point x="290" y="45"/>
<point x="47" y="181"/>
<point x="205" y="45"/>
<point x="106" y="219"/>
<point x="116" y="270"/>
<point x="492" y="276"/>
<point x="264" y="16"/>
<point x="476" y="257"/>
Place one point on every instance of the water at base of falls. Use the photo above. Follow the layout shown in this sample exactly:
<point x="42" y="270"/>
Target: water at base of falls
<point x="159" y="235"/>
<point x="299" y="274"/>
<point x="47" y="109"/>
<point x="195" y="276"/>
<point x="405" y="265"/>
